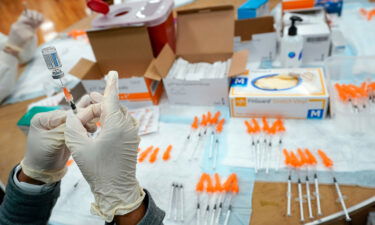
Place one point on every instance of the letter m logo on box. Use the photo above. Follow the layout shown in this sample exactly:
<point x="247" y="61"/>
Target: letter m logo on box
<point x="239" y="82"/>
<point x="315" y="114"/>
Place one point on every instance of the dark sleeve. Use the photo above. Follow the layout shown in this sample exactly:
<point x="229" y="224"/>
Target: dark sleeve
<point x="154" y="215"/>
<point x="21" y="207"/>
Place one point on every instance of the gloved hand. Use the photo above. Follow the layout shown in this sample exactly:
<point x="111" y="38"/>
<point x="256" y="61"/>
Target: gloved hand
<point x="46" y="153"/>
<point x="107" y="162"/>
<point x="24" y="29"/>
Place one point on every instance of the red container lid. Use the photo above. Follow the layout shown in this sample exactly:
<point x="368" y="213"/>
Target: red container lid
<point x="98" y="6"/>
<point x="144" y="13"/>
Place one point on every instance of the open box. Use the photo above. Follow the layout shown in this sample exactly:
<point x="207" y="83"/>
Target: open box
<point x="204" y="35"/>
<point x="258" y="35"/>
<point x="128" y="51"/>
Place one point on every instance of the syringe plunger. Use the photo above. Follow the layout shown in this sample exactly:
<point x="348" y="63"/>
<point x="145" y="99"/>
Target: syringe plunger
<point x="53" y="62"/>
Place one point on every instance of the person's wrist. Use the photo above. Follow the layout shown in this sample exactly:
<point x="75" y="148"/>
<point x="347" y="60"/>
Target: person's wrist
<point x="22" y="177"/>
<point x="133" y="217"/>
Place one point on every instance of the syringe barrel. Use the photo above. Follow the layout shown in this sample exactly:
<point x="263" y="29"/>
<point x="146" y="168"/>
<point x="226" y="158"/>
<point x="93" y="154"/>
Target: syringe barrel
<point x="53" y="62"/>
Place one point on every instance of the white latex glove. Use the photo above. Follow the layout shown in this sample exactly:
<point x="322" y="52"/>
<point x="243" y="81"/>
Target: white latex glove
<point x="24" y="29"/>
<point x="46" y="154"/>
<point x="107" y="162"/>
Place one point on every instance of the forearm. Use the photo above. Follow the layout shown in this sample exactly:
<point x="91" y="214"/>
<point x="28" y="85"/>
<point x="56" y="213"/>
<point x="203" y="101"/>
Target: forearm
<point x="8" y="73"/>
<point x="25" y="207"/>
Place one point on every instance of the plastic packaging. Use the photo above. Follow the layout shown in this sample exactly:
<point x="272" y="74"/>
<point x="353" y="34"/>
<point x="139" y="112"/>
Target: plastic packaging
<point x="292" y="46"/>
<point x="156" y="15"/>
<point x="354" y="115"/>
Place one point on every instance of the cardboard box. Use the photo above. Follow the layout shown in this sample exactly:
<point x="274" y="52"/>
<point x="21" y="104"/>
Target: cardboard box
<point x="307" y="100"/>
<point x="317" y="41"/>
<point x="204" y="35"/>
<point x="257" y="35"/>
<point x="128" y="51"/>
<point x="252" y="9"/>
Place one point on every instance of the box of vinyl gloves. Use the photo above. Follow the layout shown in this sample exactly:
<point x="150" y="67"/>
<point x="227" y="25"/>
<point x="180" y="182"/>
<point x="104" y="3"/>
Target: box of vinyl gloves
<point x="289" y="93"/>
<point x="204" y="61"/>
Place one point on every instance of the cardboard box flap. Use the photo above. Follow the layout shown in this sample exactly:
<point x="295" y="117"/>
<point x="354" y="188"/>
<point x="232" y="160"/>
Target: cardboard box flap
<point x="238" y="65"/>
<point x="86" y="70"/>
<point x="164" y="61"/>
<point x="152" y="72"/>
<point x="246" y="28"/>
<point x="126" y="50"/>
<point x="205" y="31"/>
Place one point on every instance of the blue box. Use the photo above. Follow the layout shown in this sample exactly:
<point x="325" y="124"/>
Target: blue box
<point x="331" y="6"/>
<point x="252" y="9"/>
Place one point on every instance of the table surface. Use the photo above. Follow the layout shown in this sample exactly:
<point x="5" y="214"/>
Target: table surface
<point x="271" y="197"/>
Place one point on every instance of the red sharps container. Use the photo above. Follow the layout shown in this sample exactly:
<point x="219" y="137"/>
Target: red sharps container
<point x="156" y="15"/>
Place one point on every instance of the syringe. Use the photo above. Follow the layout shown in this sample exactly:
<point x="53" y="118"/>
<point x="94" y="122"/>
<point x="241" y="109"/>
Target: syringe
<point x="54" y="64"/>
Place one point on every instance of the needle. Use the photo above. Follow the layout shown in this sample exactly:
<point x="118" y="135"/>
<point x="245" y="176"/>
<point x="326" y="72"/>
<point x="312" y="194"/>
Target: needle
<point x="226" y="222"/>
<point x="213" y="122"/>
<point x="317" y="195"/>
<point x="199" y="188"/>
<point x="232" y="185"/>
<point x="280" y="129"/>
<point x="69" y="99"/>
<point x="300" y="199"/>
<point x="305" y="161"/>
<point x="308" y="197"/>
<point x="257" y="130"/>
<point x="289" y="190"/>
<point x="251" y="131"/>
<point x="194" y="127"/>
<point x="289" y="195"/>
<point x="341" y="198"/>
<point x="219" y="129"/>
<point x="297" y="164"/>
<point x="203" y="124"/>
<point x="171" y="198"/>
<point x="198" y="210"/>
<point x="182" y="202"/>
<point x="312" y="162"/>
<point x="329" y="163"/>
<point x="176" y="198"/>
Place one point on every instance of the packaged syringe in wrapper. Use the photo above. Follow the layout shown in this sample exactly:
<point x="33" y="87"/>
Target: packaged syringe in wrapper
<point x="288" y="93"/>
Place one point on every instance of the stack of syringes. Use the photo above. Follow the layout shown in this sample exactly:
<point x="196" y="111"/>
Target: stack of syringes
<point x="353" y="106"/>
<point x="301" y="164"/>
<point x="356" y="98"/>
<point x="182" y="69"/>
<point x="266" y="142"/>
<point x="210" y="124"/>
<point x="213" y="200"/>
<point x="176" y="203"/>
